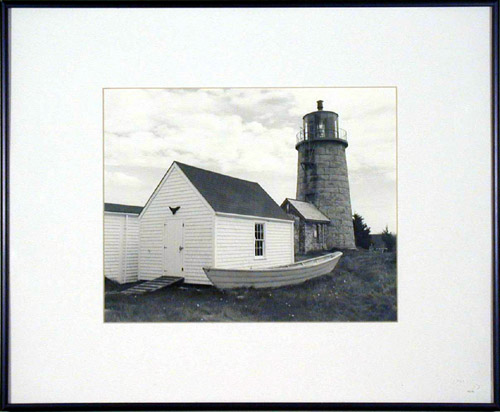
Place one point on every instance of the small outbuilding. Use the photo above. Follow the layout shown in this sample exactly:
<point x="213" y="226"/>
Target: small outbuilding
<point x="196" y="218"/>
<point x="377" y="243"/>
<point x="121" y="242"/>
<point x="310" y="225"/>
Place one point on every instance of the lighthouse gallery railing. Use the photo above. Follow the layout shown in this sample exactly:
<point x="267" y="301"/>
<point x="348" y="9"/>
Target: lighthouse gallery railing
<point x="302" y="135"/>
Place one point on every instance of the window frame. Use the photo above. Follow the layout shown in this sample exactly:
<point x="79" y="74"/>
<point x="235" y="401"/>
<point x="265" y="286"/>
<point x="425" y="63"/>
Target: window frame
<point x="263" y="240"/>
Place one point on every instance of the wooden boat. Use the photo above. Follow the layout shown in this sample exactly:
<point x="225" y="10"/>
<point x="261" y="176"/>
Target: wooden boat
<point x="273" y="277"/>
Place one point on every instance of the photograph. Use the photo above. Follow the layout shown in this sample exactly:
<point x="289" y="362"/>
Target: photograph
<point x="250" y="204"/>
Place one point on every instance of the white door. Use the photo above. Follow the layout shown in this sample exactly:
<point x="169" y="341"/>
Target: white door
<point x="173" y="248"/>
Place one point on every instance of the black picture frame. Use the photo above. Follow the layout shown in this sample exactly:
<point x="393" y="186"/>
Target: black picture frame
<point x="6" y="6"/>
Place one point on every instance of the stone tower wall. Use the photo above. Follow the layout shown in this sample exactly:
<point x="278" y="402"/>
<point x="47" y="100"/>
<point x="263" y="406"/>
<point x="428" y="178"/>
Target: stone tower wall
<point x="322" y="179"/>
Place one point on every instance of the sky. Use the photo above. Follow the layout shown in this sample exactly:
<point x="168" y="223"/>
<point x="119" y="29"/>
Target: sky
<point x="250" y="134"/>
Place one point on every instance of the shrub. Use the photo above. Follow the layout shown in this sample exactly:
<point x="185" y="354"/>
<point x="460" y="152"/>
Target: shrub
<point x="362" y="236"/>
<point x="389" y="239"/>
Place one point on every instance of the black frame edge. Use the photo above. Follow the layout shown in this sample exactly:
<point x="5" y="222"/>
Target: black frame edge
<point x="244" y="406"/>
<point x="4" y="396"/>
<point x="6" y="5"/>
<point x="245" y="3"/>
<point x="495" y="201"/>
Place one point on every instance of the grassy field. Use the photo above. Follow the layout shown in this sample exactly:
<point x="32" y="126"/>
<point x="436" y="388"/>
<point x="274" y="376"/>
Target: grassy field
<point x="361" y="288"/>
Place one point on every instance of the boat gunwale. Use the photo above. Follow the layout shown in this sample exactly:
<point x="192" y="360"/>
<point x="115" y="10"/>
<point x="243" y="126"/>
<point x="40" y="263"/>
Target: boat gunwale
<point x="293" y="266"/>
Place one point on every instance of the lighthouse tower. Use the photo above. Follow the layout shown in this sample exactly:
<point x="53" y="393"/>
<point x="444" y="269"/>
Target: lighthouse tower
<point x="322" y="177"/>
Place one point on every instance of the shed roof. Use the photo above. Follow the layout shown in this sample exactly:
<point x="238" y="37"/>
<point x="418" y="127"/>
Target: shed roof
<point x="117" y="208"/>
<point x="228" y="194"/>
<point x="307" y="210"/>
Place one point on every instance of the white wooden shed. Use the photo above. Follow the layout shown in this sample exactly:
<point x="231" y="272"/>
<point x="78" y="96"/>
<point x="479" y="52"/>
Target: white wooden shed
<point x="197" y="218"/>
<point x="121" y="242"/>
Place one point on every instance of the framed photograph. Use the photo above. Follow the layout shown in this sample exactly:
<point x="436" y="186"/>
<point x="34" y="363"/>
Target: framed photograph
<point x="250" y="206"/>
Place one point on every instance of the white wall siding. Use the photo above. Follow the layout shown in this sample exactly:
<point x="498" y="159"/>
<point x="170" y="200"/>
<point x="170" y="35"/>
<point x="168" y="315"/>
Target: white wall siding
<point x="235" y="239"/>
<point x="198" y="219"/>
<point x="131" y="272"/>
<point x="121" y="247"/>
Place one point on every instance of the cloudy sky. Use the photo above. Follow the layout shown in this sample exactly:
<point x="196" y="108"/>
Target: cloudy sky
<point x="249" y="134"/>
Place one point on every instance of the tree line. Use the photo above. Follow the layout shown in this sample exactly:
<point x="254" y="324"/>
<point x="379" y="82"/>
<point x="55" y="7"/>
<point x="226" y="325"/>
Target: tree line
<point x="363" y="237"/>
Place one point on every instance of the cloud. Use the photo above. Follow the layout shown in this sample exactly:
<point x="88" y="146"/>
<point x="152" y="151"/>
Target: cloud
<point x="121" y="179"/>
<point x="246" y="133"/>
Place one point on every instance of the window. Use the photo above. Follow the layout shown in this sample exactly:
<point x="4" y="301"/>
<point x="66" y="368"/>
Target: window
<point x="308" y="155"/>
<point x="321" y="130"/>
<point x="259" y="239"/>
<point x="317" y="231"/>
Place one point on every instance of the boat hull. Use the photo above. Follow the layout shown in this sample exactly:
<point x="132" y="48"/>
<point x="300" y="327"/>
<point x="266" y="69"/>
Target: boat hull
<point x="292" y="274"/>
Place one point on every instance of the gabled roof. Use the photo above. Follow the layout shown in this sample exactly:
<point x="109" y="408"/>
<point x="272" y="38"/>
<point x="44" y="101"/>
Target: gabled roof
<point x="307" y="211"/>
<point x="117" y="208"/>
<point x="227" y="194"/>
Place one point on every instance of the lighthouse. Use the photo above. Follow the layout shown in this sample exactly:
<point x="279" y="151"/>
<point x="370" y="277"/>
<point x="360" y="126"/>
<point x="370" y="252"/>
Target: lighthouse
<point x="322" y="178"/>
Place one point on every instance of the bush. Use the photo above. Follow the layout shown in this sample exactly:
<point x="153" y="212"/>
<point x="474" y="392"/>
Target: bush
<point x="362" y="236"/>
<point x="389" y="239"/>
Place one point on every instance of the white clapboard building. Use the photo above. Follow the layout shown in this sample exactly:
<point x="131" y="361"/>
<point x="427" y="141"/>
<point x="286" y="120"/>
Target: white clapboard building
<point x="121" y="242"/>
<point x="196" y="218"/>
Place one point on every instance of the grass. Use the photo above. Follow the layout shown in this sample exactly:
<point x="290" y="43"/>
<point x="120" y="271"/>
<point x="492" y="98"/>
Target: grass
<point x="361" y="288"/>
